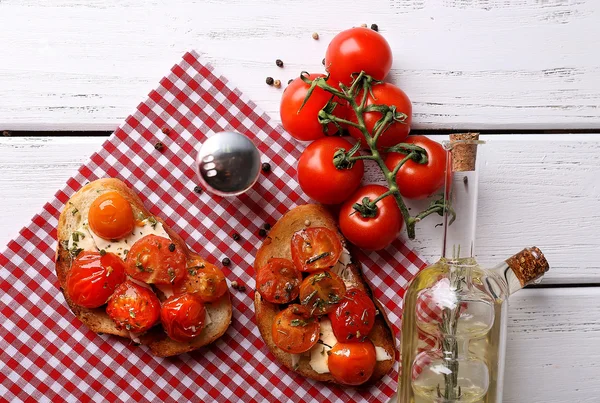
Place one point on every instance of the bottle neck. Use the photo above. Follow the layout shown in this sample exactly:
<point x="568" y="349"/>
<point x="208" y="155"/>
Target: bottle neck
<point x="460" y="196"/>
<point x="526" y="267"/>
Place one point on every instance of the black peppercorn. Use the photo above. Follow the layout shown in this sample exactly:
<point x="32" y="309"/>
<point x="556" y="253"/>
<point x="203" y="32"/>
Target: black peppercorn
<point x="262" y="232"/>
<point x="290" y="81"/>
<point x="267" y="226"/>
<point x="279" y="63"/>
<point x="226" y="262"/>
<point x="172" y="247"/>
<point x="198" y="189"/>
<point x="236" y="236"/>
<point x="266" y="167"/>
<point x="374" y="27"/>
<point x="270" y="80"/>
<point x="159" y="146"/>
<point x="323" y="62"/>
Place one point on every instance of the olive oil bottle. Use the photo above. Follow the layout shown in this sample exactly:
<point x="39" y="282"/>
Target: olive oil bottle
<point x="455" y="312"/>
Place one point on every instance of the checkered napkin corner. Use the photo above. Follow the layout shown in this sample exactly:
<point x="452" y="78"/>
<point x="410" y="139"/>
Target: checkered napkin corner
<point x="46" y="354"/>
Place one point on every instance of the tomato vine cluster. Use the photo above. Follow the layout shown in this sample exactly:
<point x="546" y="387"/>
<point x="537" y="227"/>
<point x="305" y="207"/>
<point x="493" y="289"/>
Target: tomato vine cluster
<point x="353" y="99"/>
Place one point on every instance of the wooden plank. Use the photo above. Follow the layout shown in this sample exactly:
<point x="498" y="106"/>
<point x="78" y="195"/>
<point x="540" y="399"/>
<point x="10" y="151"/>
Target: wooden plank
<point x="538" y="190"/>
<point x="552" y="348"/>
<point x="464" y="64"/>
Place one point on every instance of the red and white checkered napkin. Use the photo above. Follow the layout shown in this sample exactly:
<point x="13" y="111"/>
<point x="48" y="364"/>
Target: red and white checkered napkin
<point x="47" y="354"/>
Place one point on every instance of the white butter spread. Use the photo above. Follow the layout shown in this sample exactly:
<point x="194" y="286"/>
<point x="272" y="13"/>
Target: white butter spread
<point x="85" y="239"/>
<point x="318" y="354"/>
<point x="340" y="268"/>
<point x="381" y="354"/>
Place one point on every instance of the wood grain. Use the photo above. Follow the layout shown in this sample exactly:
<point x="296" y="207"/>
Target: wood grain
<point x="539" y="190"/>
<point x="464" y="63"/>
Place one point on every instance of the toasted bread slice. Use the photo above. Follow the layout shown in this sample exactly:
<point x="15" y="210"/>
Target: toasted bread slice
<point x="277" y="244"/>
<point x="71" y="218"/>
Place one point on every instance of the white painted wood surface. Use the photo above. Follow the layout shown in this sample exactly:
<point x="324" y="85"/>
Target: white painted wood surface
<point x="539" y="190"/>
<point x="83" y="65"/>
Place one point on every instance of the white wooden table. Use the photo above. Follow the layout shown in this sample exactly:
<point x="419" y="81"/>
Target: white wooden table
<point x="499" y="66"/>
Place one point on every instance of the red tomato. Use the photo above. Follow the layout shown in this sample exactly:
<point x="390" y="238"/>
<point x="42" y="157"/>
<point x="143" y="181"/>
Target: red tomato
<point x="372" y="233"/>
<point x="278" y="281"/>
<point x="303" y="124"/>
<point x="111" y="216"/>
<point x="322" y="292"/>
<point x="93" y="278"/>
<point x="183" y="317"/>
<point x="352" y="363"/>
<point x="419" y="181"/>
<point x="356" y="50"/>
<point x="156" y="260"/>
<point x="294" y="330"/>
<point x="203" y="280"/>
<point x="384" y="94"/>
<point x="133" y="307"/>
<point x="354" y="317"/>
<point x="320" y="179"/>
<point x="315" y="248"/>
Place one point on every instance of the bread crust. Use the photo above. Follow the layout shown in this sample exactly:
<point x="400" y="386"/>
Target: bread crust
<point x="277" y="244"/>
<point x="73" y="215"/>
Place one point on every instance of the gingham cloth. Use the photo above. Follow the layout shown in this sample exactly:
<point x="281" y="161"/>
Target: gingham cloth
<point x="46" y="354"/>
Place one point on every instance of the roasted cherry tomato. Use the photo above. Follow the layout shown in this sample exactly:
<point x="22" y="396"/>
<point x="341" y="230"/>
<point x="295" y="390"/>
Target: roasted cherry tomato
<point x="295" y="330"/>
<point x="322" y="292"/>
<point x="156" y="260"/>
<point x="354" y="317"/>
<point x="371" y="233"/>
<point x="133" y="307"/>
<point x="278" y="281"/>
<point x="384" y="94"/>
<point x="93" y="278"/>
<point x="318" y="176"/>
<point x="111" y="216"/>
<point x="204" y="280"/>
<point x="356" y="50"/>
<point x="419" y="181"/>
<point x="183" y="317"/>
<point x="315" y="249"/>
<point x="352" y="363"/>
<point x="303" y="124"/>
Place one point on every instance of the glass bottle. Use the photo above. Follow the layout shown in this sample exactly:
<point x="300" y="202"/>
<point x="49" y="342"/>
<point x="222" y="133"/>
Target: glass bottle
<point x="455" y="312"/>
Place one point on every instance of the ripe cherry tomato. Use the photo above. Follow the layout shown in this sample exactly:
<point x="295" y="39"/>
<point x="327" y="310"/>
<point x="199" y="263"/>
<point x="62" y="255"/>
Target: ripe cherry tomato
<point x="93" y="278"/>
<point x="384" y="94"/>
<point x="371" y="233"/>
<point x="295" y="330"/>
<point x="315" y="249"/>
<point x="110" y="216"/>
<point x="318" y="176"/>
<point x="322" y="292"/>
<point x="303" y="124"/>
<point x="203" y="280"/>
<point x="183" y="317"/>
<point x="156" y="260"/>
<point x="354" y="317"/>
<point x="419" y="181"/>
<point x="356" y="50"/>
<point x="133" y="307"/>
<point x="352" y="363"/>
<point x="278" y="281"/>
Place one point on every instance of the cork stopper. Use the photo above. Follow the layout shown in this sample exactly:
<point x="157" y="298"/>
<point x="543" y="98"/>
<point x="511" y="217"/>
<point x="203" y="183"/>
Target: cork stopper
<point x="463" y="155"/>
<point x="528" y="265"/>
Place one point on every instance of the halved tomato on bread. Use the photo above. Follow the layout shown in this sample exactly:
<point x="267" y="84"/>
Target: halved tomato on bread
<point x="278" y="281"/>
<point x="93" y="278"/>
<point x="295" y="330"/>
<point x="111" y="216"/>
<point x="183" y="317"/>
<point x="315" y="249"/>
<point x="133" y="307"/>
<point x="203" y="280"/>
<point x="156" y="260"/>
<point x="322" y="292"/>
